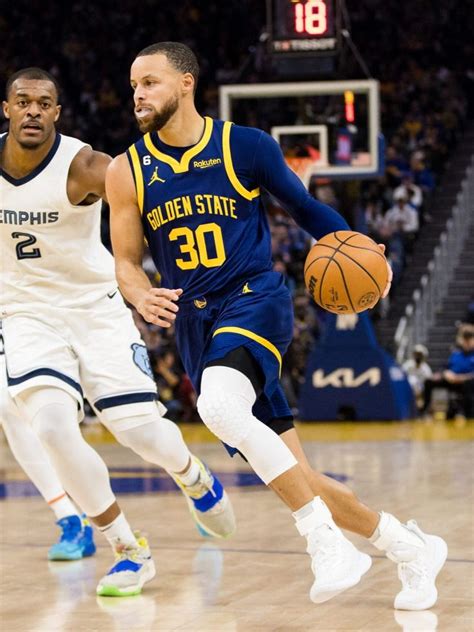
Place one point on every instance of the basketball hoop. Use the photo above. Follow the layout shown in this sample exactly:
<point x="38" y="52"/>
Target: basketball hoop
<point x="303" y="167"/>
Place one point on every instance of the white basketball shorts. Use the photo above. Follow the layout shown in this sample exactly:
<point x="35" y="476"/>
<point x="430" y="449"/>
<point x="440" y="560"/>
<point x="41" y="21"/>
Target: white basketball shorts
<point x="94" y="352"/>
<point x="8" y="408"/>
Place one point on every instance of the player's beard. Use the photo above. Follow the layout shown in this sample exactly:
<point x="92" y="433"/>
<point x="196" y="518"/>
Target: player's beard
<point x="159" y="119"/>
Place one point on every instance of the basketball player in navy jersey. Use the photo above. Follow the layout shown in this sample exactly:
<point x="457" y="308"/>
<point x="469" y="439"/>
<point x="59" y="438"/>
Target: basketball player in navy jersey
<point x="191" y="186"/>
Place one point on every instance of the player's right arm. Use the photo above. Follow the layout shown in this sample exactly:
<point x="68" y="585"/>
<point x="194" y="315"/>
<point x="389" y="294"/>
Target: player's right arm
<point x="270" y="170"/>
<point x="156" y="305"/>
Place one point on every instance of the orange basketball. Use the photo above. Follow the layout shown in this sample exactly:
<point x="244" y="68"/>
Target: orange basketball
<point x="345" y="272"/>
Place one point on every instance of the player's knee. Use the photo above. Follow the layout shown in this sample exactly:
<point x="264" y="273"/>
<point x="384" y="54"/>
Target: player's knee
<point x="141" y="434"/>
<point x="225" y="404"/>
<point x="47" y="425"/>
<point x="156" y="439"/>
<point x="52" y="414"/>
<point x="227" y="415"/>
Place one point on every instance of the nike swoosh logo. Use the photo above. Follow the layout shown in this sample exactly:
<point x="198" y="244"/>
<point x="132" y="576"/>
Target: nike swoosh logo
<point x="112" y="294"/>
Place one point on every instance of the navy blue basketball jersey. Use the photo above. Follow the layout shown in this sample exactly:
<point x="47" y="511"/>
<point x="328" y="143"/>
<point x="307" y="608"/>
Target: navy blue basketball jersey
<point x="204" y="223"/>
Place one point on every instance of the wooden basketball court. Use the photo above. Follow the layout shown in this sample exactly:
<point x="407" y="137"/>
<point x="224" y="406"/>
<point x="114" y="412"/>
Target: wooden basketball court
<point x="259" y="579"/>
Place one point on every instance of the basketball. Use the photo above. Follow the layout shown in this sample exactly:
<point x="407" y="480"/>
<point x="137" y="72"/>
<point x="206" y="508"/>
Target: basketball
<point x="345" y="272"/>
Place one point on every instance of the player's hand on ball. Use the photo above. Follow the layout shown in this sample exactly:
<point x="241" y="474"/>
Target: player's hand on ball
<point x="390" y="273"/>
<point x="158" y="306"/>
<point x="346" y="272"/>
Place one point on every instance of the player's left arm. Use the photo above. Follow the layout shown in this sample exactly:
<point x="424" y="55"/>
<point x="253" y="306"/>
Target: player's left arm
<point x="271" y="171"/>
<point x="86" y="180"/>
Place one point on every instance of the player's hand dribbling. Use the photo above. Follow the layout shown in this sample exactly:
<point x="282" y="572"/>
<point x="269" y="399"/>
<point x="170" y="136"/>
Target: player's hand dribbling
<point x="158" y="306"/>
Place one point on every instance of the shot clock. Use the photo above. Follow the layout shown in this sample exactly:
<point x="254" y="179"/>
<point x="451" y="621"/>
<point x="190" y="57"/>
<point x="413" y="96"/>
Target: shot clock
<point x="299" y="27"/>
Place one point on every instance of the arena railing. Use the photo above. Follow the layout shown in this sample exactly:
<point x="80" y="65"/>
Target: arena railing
<point x="426" y="301"/>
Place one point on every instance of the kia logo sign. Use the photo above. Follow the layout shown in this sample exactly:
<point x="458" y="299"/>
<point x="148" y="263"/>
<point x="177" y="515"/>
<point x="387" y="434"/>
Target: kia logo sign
<point x="345" y="378"/>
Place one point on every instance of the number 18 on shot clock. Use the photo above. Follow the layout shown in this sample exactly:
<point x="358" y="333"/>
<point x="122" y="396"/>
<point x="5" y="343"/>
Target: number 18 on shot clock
<point x="299" y="27"/>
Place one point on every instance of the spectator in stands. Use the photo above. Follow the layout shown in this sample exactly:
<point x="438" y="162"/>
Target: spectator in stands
<point x="458" y="377"/>
<point x="375" y="221"/>
<point x="168" y="380"/>
<point x="395" y="166"/>
<point x="188" y="399"/>
<point x="422" y="175"/>
<point x="409" y="191"/>
<point x="403" y="220"/>
<point x="418" y="371"/>
<point x="280" y="266"/>
<point x="413" y="126"/>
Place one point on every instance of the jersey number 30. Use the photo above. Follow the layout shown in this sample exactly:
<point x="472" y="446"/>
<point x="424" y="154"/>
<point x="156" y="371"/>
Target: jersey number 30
<point x="22" y="248"/>
<point x="194" y="246"/>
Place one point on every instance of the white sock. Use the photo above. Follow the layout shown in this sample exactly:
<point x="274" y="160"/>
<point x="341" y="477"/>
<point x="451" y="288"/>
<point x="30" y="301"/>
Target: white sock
<point x="63" y="507"/>
<point x="191" y="475"/>
<point x="119" y="531"/>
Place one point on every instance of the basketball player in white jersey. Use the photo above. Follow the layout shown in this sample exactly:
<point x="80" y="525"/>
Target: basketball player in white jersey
<point x="76" y="540"/>
<point x="67" y="332"/>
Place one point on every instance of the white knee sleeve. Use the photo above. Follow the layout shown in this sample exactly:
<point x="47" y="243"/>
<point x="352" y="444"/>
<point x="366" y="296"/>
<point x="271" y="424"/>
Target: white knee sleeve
<point x="225" y="406"/>
<point x="156" y="439"/>
<point x="30" y="454"/>
<point x="51" y="412"/>
<point x="83" y="474"/>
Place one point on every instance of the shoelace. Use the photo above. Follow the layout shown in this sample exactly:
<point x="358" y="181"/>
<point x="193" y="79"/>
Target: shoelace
<point x="201" y="487"/>
<point x="69" y="532"/>
<point x="413" y="574"/>
<point x="323" y="553"/>
<point x="324" y="558"/>
<point x="123" y="552"/>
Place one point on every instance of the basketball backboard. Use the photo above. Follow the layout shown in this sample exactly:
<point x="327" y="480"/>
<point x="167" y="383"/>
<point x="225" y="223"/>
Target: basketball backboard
<point x="327" y="129"/>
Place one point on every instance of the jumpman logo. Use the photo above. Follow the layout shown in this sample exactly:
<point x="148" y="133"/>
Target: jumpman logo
<point x="155" y="177"/>
<point x="246" y="289"/>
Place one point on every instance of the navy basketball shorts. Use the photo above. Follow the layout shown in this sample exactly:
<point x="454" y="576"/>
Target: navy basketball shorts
<point x="257" y="315"/>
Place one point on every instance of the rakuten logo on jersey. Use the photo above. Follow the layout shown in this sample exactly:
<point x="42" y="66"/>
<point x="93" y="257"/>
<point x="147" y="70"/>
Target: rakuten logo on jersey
<point x="345" y="378"/>
<point x="204" y="164"/>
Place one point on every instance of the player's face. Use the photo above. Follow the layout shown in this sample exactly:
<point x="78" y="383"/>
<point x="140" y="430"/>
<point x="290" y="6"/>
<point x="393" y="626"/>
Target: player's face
<point x="157" y="91"/>
<point x="32" y="110"/>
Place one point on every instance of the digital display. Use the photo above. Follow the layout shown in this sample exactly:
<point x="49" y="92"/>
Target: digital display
<point x="302" y="26"/>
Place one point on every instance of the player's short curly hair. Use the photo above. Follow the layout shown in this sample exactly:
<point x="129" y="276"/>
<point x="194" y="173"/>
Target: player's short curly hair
<point x="31" y="73"/>
<point x="180" y="56"/>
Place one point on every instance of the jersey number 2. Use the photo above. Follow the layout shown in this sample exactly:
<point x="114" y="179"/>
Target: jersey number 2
<point x="21" y="247"/>
<point x="195" y="248"/>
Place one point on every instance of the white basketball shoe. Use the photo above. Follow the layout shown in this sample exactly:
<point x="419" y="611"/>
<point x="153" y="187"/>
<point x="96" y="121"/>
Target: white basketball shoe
<point x="418" y="576"/>
<point x="419" y="556"/>
<point x="132" y="569"/>
<point x="208" y="503"/>
<point x="336" y="563"/>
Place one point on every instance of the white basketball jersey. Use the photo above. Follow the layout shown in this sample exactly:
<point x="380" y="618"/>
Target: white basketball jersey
<point x="51" y="252"/>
